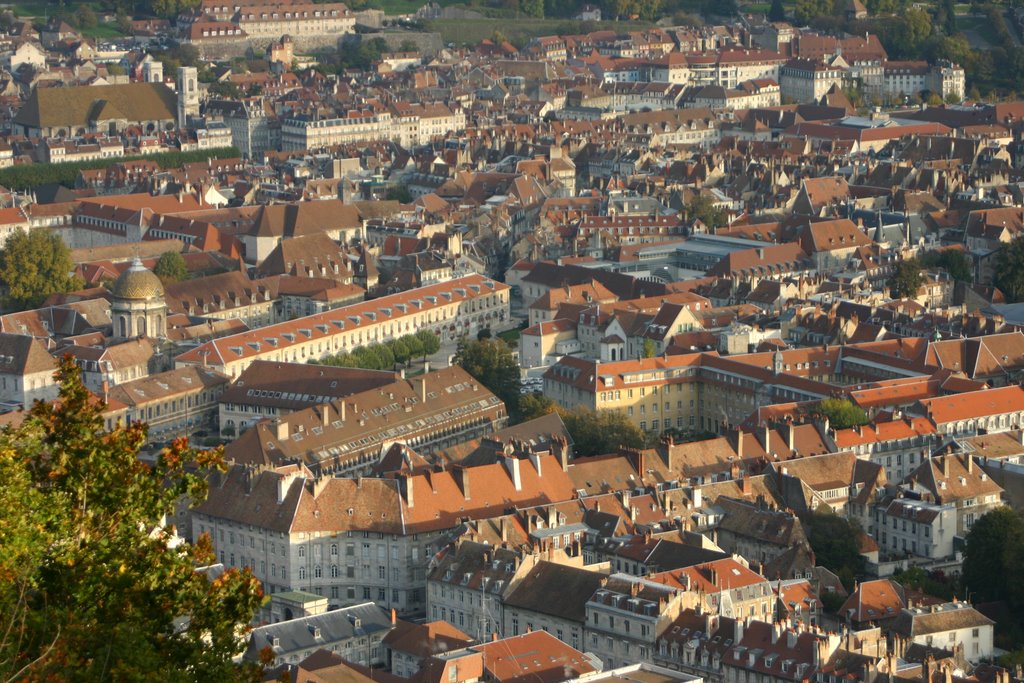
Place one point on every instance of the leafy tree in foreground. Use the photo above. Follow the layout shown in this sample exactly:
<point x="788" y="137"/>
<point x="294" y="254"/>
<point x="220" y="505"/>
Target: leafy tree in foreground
<point x="599" y="432"/>
<point x="990" y="568"/>
<point x="534" y="405"/>
<point x="953" y="261"/>
<point x="836" y="544"/>
<point x="34" y="265"/>
<point x="1009" y="269"/>
<point x="491" y="362"/>
<point x="777" y="12"/>
<point x="171" y="267"/>
<point x="907" y="279"/>
<point x="90" y="588"/>
<point x="841" y="413"/>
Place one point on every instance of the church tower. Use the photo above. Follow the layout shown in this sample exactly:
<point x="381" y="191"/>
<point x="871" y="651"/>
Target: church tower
<point x="188" y="94"/>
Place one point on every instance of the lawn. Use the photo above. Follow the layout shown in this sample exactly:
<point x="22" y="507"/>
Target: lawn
<point x="103" y="31"/>
<point x="393" y="7"/>
<point x="511" y="336"/>
<point x="980" y="26"/>
<point x="520" y="31"/>
<point x="41" y="8"/>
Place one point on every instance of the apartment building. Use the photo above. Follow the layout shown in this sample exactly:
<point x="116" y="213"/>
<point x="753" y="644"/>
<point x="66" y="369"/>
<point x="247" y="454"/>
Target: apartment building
<point x="26" y="371"/>
<point x="432" y="412"/>
<point x="625" y="616"/>
<point x="353" y="540"/>
<point x="268" y="390"/>
<point x="908" y="526"/>
<point x="452" y="309"/>
<point x="172" y="403"/>
<point x="552" y="597"/>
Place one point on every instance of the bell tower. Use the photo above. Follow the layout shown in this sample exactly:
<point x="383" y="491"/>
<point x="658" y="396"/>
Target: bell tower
<point x="188" y="94"/>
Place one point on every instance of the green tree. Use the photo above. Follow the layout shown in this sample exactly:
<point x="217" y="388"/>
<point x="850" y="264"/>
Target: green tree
<point x="703" y="209"/>
<point x="92" y="589"/>
<point x="777" y="12"/>
<point x="85" y="18"/>
<point x="534" y="405"/>
<point x="991" y="569"/>
<point x="650" y="350"/>
<point x="414" y="344"/>
<point x="34" y="265"/>
<point x="836" y="543"/>
<point x="399" y="193"/>
<point x="841" y="413"/>
<point x="907" y="279"/>
<point x="431" y="344"/>
<point x="953" y="261"/>
<point x="1009" y="269"/>
<point x="491" y="362"/>
<point x="400" y="351"/>
<point x="533" y="8"/>
<point x="808" y="10"/>
<point x="171" y="267"/>
<point x="599" y="432"/>
<point x="916" y="27"/>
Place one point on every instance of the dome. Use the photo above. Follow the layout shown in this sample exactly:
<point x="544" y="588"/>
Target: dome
<point x="138" y="282"/>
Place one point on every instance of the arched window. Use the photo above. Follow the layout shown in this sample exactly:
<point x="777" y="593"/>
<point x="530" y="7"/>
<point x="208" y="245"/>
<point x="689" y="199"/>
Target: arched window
<point x="317" y="572"/>
<point x="124" y="326"/>
<point x="302" y="551"/>
<point x="302" y="573"/>
<point x="334" y="571"/>
<point x="140" y="326"/>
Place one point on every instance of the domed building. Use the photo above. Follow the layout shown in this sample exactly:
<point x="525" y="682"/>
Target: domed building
<point x="138" y="308"/>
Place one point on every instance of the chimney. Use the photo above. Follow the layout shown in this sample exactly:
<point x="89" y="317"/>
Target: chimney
<point x="745" y="485"/>
<point x="945" y="466"/>
<point x="535" y="459"/>
<point x="504" y="529"/>
<point x="394" y="616"/>
<point x="969" y="463"/>
<point x="341" y="410"/>
<point x="560" y="449"/>
<point x="423" y="390"/>
<point x="282" y="430"/>
<point x="696" y="497"/>
<point x="789" y="435"/>
<point x="283" y="484"/>
<point x="462" y="476"/>
<point x="512" y="465"/>
<point x="324" y="410"/>
<point x="405" y="488"/>
<point x="739" y="443"/>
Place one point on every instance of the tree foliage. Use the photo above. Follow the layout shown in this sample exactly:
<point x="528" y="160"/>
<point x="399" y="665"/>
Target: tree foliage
<point x="534" y="405"/>
<point x="808" y="10"/>
<point x="491" y="362"/>
<point x="29" y="176"/>
<point x="907" y="279"/>
<point x="171" y="267"/>
<point x="34" y="265"/>
<point x="777" y="12"/>
<point x="599" y="432"/>
<point x="953" y="261"/>
<point x="836" y="544"/>
<point x="842" y="413"/>
<point x="92" y="589"/>
<point x="384" y="356"/>
<point x="1009" y="269"/>
<point x="992" y="557"/>
<point x="703" y="209"/>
